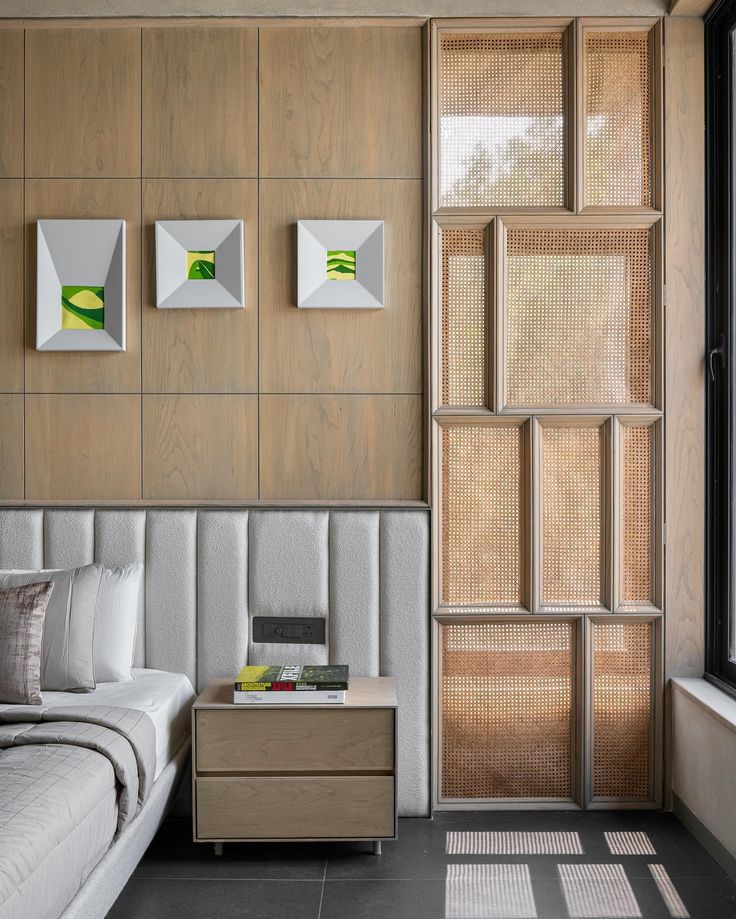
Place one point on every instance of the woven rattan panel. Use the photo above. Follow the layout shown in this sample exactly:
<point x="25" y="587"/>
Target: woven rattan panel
<point x="637" y="506"/>
<point x="507" y="709"/>
<point x="571" y="515"/>
<point x="622" y="718"/>
<point x="579" y="323"/>
<point x="481" y="508"/>
<point x="463" y="317"/>
<point x="501" y="119"/>
<point x="618" y="155"/>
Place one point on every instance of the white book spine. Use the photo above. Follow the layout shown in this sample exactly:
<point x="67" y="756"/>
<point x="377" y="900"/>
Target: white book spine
<point x="314" y="697"/>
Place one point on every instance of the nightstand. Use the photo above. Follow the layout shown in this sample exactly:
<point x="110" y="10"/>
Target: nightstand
<point x="296" y="772"/>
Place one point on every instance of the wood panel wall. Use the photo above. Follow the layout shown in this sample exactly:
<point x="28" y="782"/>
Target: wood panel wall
<point x="173" y="121"/>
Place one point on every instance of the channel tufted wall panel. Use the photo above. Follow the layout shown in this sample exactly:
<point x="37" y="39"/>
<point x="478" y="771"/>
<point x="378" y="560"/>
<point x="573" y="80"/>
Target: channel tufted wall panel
<point x="209" y="571"/>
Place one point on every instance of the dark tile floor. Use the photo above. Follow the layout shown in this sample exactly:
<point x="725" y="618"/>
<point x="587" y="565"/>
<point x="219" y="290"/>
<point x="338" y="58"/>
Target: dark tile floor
<point x="415" y="878"/>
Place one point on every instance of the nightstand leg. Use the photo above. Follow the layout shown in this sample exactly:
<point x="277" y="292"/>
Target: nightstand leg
<point x="218" y="848"/>
<point x="377" y="847"/>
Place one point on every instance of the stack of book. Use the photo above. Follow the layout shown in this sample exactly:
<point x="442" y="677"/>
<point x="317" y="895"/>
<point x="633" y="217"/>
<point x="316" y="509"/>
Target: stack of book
<point x="288" y="684"/>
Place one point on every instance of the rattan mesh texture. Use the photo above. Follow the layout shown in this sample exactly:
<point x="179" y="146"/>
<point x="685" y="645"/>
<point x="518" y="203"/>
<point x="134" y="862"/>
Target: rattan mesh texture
<point x="571" y="515"/>
<point x="481" y="510"/>
<point x="507" y="709"/>
<point x="618" y="146"/>
<point x="502" y="139"/>
<point x="622" y="719"/>
<point x="637" y="506"/>
<point x="463" y="317"/>
<point x="579" y="322"/>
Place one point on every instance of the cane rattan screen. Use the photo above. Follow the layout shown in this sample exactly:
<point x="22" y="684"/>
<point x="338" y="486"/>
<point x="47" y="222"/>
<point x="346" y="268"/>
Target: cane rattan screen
<point x="463" y="317"/>
<point x="618" y="145"/>
<point x="481" y="514"/>
<point x="622" y="715"/>
<point x="636" y="510"/>
<point x="501" y="108"/>
<point x="508" y="710"/>
<point x="579" y="317"/>
<point x="571" y="515"/>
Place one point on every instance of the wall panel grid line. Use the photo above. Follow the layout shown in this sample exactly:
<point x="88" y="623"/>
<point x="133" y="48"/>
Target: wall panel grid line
<point x="547" y="386"/>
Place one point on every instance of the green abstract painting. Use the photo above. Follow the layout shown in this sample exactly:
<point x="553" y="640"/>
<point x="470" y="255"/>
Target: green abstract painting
<point x="341" y="264"/>
<point x="82" y="307"/>
<point x="200" y="265"/>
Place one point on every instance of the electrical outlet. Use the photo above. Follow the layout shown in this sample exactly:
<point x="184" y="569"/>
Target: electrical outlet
<point x="297" y="630"/>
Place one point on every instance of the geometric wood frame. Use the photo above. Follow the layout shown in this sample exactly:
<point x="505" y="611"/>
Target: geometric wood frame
<point x="174" y="238"/>
<point x="80" y="252"/>
<point x="613" y="417"/>
<point x="315" y="238"/>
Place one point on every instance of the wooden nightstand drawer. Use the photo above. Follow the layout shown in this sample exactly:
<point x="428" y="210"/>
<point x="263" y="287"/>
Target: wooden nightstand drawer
<point x="295" y="740"/>
<point x="293" y="807"/>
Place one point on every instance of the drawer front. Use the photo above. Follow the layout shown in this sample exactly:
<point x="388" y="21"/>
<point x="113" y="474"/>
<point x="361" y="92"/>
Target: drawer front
<point x="289" y="740"/>
<point x="293" y="807"/>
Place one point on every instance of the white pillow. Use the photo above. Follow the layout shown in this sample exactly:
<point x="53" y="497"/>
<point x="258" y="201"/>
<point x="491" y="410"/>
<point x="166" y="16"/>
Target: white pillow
<point x="116" y="622"/>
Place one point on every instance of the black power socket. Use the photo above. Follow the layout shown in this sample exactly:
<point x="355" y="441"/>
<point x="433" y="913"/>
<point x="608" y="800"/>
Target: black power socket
<point x="294" y="630"/>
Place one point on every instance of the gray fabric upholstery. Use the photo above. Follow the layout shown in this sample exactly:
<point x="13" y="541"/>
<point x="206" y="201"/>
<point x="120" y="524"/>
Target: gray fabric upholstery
<point x="120" y="539"/>
<point x="209" y="571"/>
<point x="171" y="591"/>
<point x="288" y="575"/>
<point x="69" y="538"/>
<point x="222" y="586"/>
<point x="354" y="599"/>
<point x="21" y="539"/>
<point x="405" y="645"/>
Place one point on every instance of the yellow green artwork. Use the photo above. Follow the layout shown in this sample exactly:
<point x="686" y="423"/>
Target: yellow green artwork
<point x="82" y="307"/>
<point x="200" y="265"/>
<point x="341" y="264"/>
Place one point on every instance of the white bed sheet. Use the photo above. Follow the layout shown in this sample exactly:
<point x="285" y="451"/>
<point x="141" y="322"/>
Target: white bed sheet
<point x="165" y="697"/>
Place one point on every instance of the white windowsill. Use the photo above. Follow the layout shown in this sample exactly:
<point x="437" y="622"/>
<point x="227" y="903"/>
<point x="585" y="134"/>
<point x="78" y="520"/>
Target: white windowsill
<point x="714" y="701"/>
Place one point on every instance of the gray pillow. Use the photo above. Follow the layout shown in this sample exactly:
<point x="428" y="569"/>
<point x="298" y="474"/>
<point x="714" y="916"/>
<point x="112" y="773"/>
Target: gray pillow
<point x="68" y="630"/>
<point x="22" y="610"/>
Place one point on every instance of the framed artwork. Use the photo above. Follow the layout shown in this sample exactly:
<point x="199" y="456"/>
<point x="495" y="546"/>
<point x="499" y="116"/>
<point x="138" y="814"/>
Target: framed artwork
<point x="80" y="285"/>
<point x="199" y="264"/>
<point x="340" y="264"/>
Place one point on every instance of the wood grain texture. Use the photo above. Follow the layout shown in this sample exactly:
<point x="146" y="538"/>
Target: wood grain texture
<point x="341" y="102"/>
<point x="201" y="350"/>
<point x="329" y="446"/>
<point x="80" y="371"/>
<point x="258" y="740"/>
<point x="200" y="101"/>
<point x="11" y="102"/>
<point x="333" y="350"/>
<point x="83" y="447"/>
<point x="290" y="807"/>
<point x="83" y="102"/>
<point x="200" y="447"/>
<point x="11" y="285"/>
<point x="685" y="373"/>
<point x="11" y="447"/>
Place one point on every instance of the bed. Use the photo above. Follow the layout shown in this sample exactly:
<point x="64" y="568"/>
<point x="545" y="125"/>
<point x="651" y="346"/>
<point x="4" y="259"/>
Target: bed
<point x="85" y="780"/>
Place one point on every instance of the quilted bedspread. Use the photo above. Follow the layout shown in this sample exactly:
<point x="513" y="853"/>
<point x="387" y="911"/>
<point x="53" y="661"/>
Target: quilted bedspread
<point x="71" y="779"/>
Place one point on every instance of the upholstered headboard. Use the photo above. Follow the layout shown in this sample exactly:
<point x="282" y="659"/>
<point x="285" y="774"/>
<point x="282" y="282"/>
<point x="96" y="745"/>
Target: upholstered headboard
<point x="208" y="572"/>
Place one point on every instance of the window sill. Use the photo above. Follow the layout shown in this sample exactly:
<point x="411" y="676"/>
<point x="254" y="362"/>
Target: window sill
<point x="717" y="703"/>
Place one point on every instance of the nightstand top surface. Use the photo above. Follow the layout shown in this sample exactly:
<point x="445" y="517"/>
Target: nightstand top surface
<point x="364" y="692"/>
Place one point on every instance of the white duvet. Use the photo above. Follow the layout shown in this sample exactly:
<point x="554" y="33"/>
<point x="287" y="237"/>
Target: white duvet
<point x="165" y="697"/>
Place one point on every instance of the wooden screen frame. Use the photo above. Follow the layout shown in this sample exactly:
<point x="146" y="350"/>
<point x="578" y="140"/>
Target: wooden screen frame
<point x="613" y="417"/>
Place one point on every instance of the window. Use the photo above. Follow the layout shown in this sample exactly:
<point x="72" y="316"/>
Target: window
<point x="720" y="529"/>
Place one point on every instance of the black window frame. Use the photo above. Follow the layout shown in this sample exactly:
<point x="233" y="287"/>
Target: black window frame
<point x="720" y="587"/>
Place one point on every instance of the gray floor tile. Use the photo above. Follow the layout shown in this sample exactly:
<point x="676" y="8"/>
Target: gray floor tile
<point x="173" y="855"/>
<point x="383" y="899"/>
<point x="190" y="899"/>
